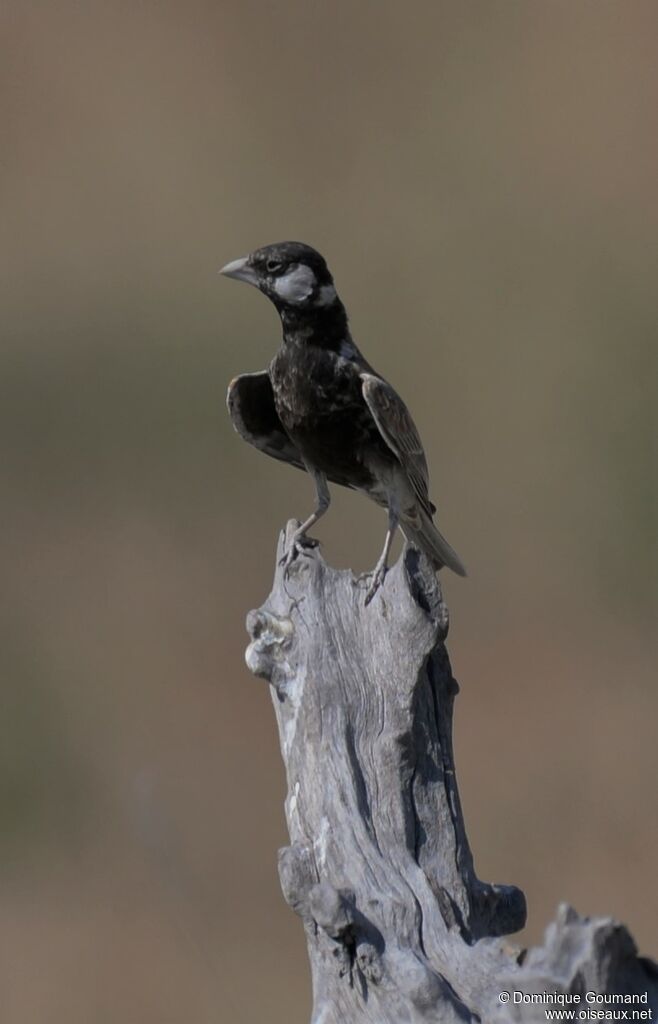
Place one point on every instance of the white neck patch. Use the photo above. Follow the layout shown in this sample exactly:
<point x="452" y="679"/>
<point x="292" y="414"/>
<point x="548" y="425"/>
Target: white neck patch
<point x="296" y="285"/>
<point x="326" y="295"/>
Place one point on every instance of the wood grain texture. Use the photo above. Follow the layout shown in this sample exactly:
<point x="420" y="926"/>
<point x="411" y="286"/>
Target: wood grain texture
<point x="399" y="928"/>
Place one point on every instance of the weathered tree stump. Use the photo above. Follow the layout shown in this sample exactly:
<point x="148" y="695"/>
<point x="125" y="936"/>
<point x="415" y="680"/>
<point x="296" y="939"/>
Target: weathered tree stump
<point x="399" y="928"/>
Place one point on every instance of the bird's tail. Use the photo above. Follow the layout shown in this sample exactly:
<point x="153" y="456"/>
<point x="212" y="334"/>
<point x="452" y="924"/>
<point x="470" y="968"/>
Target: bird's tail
<point x="426" y="537"/>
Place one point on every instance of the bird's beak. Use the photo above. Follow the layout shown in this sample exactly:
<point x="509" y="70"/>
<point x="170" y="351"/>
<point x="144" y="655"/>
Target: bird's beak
<point x="240" y="270"/>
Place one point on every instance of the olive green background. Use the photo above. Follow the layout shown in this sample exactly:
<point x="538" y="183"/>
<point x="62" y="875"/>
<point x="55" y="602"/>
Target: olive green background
<point x="482" y="179"/>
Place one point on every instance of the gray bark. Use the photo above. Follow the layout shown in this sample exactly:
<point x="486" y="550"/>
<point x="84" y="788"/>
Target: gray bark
<point x="399" y="928"/>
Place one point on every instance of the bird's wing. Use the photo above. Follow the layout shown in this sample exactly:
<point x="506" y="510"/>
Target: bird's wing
<point x="396" y="426"/>
<point x="251" y="407"/>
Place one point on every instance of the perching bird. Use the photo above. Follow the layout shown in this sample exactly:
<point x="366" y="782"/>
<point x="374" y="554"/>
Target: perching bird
<point x="321" y="407"/>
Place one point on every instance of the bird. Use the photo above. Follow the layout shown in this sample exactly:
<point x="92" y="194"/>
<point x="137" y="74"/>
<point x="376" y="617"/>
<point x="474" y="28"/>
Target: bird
<point x="320" y="406"/>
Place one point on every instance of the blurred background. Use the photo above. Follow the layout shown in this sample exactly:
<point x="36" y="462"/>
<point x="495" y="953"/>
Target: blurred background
<point x="482" y="179"/>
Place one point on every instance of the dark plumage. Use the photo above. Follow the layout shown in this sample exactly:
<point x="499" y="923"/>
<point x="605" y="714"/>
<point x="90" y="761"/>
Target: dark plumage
<point x="321" y="407"/>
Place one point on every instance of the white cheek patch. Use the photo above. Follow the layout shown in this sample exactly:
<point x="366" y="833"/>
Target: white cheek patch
<point x="296" y="285"/>
<point x="326" y="295"/>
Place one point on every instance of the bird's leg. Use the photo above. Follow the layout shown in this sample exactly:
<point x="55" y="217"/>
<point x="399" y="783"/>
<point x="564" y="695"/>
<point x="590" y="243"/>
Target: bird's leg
<point x="322" y="502"/>
<point x="382" y="565"/>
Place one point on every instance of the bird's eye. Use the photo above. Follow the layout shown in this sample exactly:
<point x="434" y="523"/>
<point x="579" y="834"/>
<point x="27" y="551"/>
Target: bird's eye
<point x="273" y="265"/>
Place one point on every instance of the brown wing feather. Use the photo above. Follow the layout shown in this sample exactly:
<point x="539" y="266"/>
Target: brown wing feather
<point x="396" y="426"/>
<point x="251" y="407"/>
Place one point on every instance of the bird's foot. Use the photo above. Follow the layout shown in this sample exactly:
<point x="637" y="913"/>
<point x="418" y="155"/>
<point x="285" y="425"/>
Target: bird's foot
<point x="376" y="580"/>
<point x="300" y="544"/>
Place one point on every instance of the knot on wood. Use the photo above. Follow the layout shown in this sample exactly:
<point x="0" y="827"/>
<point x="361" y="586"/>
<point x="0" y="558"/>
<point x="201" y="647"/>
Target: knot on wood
<point x="361" y="943"/>
<point x="333" y="910"/>
<point x="369" y="962"/>
<point x="499" y="910"/>
<point x="271" y="638"/>
<point x="297" y="875"/>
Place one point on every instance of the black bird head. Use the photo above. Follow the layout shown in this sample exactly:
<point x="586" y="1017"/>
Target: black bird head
<point x="293" y="275"/>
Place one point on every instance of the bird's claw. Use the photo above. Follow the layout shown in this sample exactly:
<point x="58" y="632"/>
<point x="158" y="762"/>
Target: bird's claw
<point x="378" y="577"/>
<point x="298" y="546"/>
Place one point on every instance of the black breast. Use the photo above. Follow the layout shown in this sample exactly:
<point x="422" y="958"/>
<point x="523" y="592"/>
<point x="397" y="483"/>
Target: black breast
<point x="319" y="400"/>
